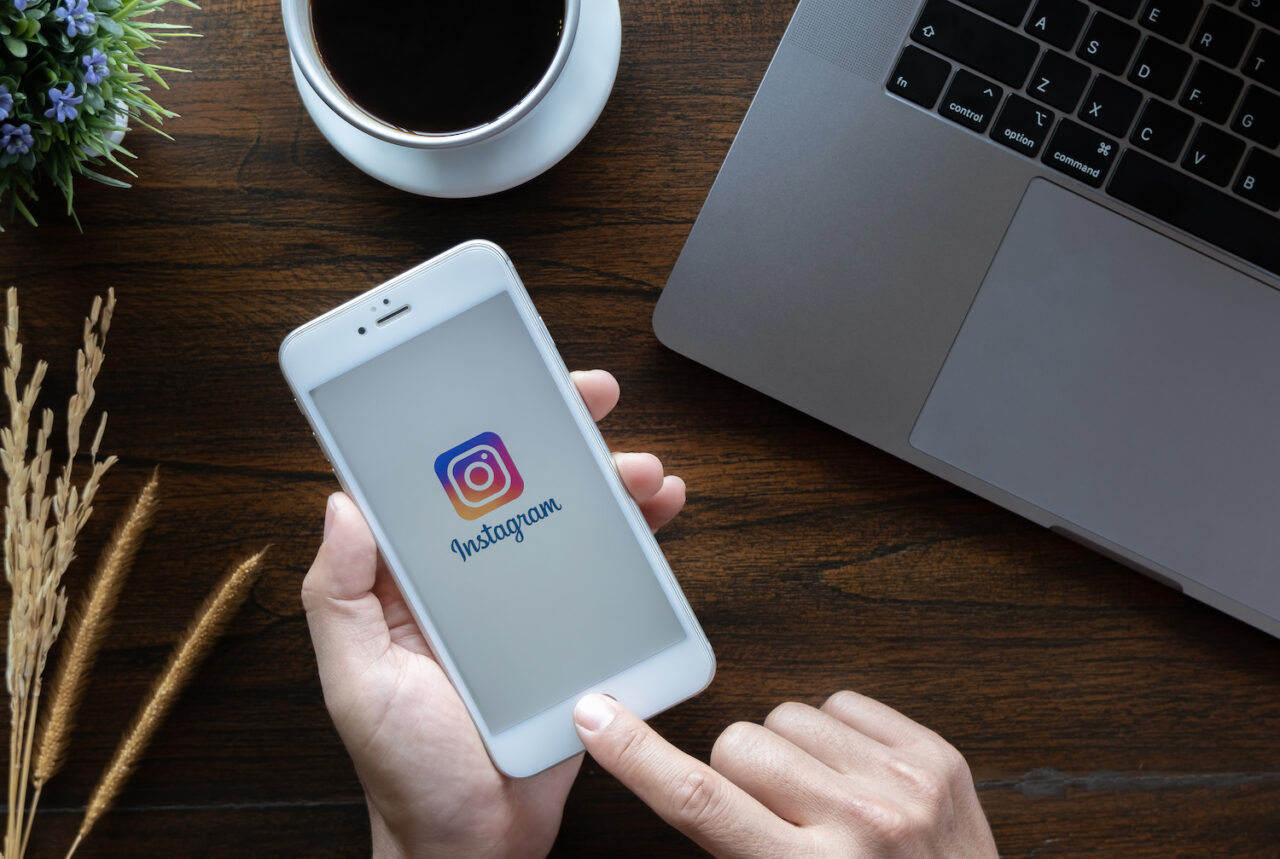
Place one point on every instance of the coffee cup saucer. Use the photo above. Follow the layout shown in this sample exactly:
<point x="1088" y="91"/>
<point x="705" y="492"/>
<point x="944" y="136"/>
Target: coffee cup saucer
<point x="529" y="148"/>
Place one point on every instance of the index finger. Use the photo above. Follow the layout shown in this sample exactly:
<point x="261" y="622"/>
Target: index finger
<point x="686" y="793"/>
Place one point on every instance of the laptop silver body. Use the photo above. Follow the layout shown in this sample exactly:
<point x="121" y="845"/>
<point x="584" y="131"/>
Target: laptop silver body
<point x="983" y="316"/>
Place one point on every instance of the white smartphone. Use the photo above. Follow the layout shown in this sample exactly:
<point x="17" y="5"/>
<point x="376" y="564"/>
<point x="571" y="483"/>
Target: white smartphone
<point x="449" y="417"/>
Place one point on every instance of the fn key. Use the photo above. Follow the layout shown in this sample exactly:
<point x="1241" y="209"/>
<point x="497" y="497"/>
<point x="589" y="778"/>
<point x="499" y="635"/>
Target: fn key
<point x="919" y="76"/>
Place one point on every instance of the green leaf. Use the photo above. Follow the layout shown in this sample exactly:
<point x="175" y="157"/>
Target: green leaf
<point x="120" y="150"/>
<point x="23" y="210"/>
<point x="17" y="47"/>
<point x="105" y="180"/>
<point x="111" y="26"/>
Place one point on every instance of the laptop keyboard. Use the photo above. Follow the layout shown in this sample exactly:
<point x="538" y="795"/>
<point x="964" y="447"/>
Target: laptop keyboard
<point x="1171" y="106"/>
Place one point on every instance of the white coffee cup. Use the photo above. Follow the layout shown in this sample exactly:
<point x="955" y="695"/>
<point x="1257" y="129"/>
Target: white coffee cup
<point x="306" y="57"/>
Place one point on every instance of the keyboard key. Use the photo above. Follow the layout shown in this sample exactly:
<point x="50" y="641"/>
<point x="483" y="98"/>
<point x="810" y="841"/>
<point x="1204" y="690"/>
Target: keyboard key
<point x="1009" y="11"/>
<point x="971" y="101"/>
<point x="1123" y="8"/>
<point x="1259" y="117"/>
<point x="1160" y="67"/>
<point x="1110" y="105"/>
<point x="1172" y="19"/>
<point x="1196" y="208"/>
<point x="1162" y="130"/>
<point x="1213" y="155"/>
<point x="919" y="77"/>
<point x="974" y="41"/>
<point x="1211" y="92"/>
<point x="1222" y="36"/>
<point x="1214" y="216"/>
<point x="1108" y="43"/>
<point x="1080" y="153"/>
<point x="1059" y="81"/>
<point x="1058" y="22"/>
<point x="1263" y="61"/>
<point x="1260" y="180"/>
<point x="1266" y="11"/>
<point x="1022" y="126"/>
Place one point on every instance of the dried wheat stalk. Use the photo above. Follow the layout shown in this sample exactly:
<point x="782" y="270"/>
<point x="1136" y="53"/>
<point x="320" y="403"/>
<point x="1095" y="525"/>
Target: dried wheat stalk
<point x="212" y="618"/>
<point x="37" y="551"/>
<point x="85" y="633"/>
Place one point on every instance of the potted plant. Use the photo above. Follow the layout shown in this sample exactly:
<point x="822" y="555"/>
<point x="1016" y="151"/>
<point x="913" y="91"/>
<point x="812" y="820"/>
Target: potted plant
<point x="72" y="81"/>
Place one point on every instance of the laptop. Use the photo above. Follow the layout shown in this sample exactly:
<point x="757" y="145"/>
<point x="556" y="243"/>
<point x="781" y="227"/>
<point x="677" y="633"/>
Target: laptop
<point x="1030" y="246"/>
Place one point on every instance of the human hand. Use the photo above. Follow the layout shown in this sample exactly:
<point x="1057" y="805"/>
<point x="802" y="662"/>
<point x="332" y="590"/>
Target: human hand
<point x="430" y="786"/>
<point x="854" y="778"/>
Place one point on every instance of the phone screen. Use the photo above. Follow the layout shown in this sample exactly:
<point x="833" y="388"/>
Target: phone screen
<point x="466" y="454"/>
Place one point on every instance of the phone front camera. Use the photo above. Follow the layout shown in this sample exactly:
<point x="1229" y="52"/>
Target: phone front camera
<point x="361" y="331"/>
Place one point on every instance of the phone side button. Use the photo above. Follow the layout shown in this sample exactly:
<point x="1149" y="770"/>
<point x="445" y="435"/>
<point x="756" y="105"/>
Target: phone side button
<point x="545" y="332"/>
<point x="323" y="451"/>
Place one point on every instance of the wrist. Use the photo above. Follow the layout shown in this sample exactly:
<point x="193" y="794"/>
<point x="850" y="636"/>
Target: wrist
<point x="413" y="838"/>
<point x="388" y="845"/>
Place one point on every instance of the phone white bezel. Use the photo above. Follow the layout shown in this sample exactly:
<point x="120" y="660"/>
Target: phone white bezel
<point x="437" y="291"/>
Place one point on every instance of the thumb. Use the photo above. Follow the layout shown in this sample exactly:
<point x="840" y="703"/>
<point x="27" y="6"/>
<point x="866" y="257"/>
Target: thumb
<point x="348" y="628"/>
<point x="686" y="793"/>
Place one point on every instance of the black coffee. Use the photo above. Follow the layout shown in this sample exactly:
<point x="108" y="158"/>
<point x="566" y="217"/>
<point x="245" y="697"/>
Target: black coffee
<point x="434" y="66"/>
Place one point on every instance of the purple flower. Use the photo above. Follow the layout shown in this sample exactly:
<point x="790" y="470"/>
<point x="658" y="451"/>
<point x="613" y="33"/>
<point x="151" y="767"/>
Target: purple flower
<point x="16" y="140"/>
<point x="64" y="103"/>
<point x="80" y="21"/>
<point x="6" y="102"/>
<point x="95" y="67"/>
<point x="20" y="5"/>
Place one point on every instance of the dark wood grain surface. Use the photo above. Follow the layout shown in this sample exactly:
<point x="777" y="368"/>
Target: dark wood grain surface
<point x="1102" y="714"/>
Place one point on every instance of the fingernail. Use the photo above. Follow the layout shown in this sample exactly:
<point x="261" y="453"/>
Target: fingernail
<point x="595" y="712"/>
<point x="330" y="512"/>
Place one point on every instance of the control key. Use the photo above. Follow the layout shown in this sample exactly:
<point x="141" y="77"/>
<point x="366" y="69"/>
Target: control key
<point x="970" y="101"/>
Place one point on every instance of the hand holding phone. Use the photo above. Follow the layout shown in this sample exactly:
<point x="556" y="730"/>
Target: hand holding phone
<point x="501" y="516"/>
<point x="431" y="787"/>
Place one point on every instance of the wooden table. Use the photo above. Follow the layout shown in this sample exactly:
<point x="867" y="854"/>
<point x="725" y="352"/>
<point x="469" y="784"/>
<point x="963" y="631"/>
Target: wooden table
<point x="1101" y="713"/>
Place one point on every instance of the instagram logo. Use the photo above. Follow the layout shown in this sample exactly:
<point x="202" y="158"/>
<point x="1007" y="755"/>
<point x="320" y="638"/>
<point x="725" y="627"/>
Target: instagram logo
<point x="479" y="476"/>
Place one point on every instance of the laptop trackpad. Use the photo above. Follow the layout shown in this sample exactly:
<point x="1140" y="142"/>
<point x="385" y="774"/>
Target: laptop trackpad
<point x="1127" y="384"/>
